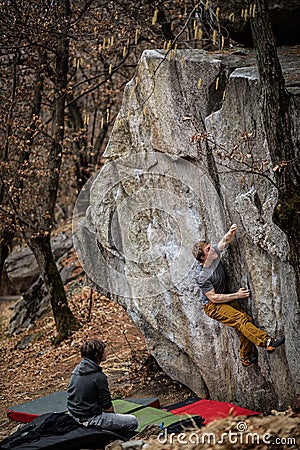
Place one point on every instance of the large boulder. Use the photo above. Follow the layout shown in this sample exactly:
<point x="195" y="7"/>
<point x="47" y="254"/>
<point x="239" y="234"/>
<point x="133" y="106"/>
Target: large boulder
<point x="21" y="267"/>
<point x="23" y="275"/>
<point x="21" y="270"/>
<point x="177" y="170"/>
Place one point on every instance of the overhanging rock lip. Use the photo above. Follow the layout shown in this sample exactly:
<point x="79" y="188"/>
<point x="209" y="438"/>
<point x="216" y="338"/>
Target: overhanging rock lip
<point x="249" y="72"/>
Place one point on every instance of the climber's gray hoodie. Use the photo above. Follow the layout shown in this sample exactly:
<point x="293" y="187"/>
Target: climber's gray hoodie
<point x="88" y="393"/>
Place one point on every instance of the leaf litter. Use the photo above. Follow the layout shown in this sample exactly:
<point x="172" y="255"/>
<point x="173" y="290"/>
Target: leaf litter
<point x="42" y="368"/>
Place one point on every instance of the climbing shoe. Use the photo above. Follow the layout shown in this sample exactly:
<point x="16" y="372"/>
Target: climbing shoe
<point x="272" y="344"/>
<point x="253" y="359"/>
<point x="246" y="362"/>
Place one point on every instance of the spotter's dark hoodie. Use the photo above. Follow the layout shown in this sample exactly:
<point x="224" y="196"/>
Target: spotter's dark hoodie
<point x="88" y="394"/>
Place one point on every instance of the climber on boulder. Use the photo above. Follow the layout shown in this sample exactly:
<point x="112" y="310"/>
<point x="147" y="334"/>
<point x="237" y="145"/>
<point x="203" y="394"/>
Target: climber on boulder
<point x="225" y="307"/>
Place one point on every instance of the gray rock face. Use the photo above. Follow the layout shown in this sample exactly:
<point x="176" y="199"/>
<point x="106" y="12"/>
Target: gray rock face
<point x="21" y="267"/>
<point x="177" y="171"/>
<point x="23" y="274"/>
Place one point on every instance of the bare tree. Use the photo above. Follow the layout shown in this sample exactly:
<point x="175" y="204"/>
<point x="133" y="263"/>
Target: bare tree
<point x="64" y="72"/>
<point x="30" y="183"/>
<point x="39" y="241"/>
<point x="276" y="107"/>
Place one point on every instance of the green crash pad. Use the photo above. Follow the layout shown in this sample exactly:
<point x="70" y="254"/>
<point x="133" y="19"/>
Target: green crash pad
<point x="127" y="407"/>
<point x="148" y="415"/>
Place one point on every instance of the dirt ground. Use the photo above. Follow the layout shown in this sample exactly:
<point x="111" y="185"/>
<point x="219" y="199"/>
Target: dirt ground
<point x="41" y="368"/>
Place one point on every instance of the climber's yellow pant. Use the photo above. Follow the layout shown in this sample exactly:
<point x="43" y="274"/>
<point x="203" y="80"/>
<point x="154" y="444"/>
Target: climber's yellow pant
<point x="232" y="315"/>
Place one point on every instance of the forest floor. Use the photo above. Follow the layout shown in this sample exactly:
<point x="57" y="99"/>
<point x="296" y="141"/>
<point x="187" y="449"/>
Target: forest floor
<point x="42" y="368"/>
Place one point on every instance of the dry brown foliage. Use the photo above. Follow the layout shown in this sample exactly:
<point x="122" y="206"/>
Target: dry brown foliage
<point x="43" y="368"/>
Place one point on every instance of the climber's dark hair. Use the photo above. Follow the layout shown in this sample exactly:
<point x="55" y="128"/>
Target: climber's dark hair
<point x="93" y="349"/>
<point x="198" y="250"/>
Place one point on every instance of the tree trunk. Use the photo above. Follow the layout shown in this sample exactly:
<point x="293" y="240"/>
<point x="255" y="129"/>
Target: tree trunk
<point x="39" y="238"/>
<point x="80" y="146"/>
<point x="65" y="322"/>
<point x="6" y="238"/>
<point x="277" y="124"/>
<point x="7" y="231"/>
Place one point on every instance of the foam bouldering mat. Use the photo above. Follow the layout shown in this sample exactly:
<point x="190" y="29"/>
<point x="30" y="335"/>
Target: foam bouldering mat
<point x="26" y="412"/>
<point x="61" y="431"/>
<point x="58" y="431"/>
<point x="154" y="416"/>
<point x="57" y="401"/>
<point x="148" y="415"/>
<point x="131" y="405"/>
<point x="147" y="401"/>
<point x="212" y="410"/>
<point x="184" y="402"/>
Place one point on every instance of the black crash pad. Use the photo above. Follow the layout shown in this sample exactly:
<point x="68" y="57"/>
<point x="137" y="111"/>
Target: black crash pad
<point x="58" y="431"/>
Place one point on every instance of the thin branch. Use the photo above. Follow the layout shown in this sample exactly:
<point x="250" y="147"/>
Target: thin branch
<point x="169" y="50"/>
<point x="93" y="88"/>
<point x="84" y="10"/>
<point x="251" y="171"/>
<point x="177" y="36"/>
<point x="17" y="215"/>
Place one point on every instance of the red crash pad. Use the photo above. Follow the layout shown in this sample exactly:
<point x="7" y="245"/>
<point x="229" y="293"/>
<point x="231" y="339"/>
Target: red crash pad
<point x="211" y="410"/>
